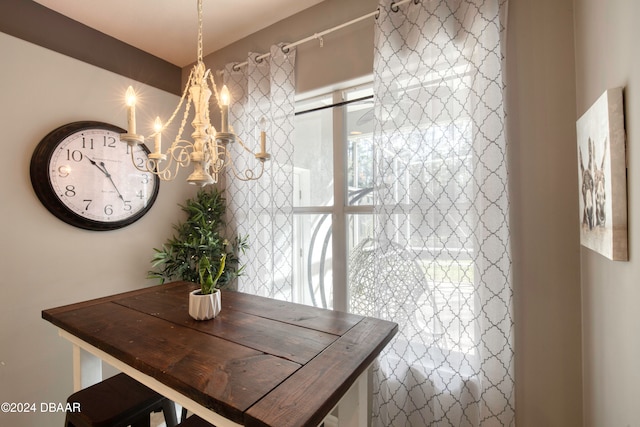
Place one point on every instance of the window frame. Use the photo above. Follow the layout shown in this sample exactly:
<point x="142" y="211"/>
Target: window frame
<point x="340" y="210"/>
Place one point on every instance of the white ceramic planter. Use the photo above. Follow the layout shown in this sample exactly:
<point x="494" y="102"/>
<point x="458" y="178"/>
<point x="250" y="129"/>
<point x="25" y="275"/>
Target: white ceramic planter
<point x="204" y="307"/>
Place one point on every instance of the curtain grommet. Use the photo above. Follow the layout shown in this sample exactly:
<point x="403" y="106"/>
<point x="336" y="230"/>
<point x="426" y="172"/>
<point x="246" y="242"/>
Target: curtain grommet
<point x="235" y="67"/>
<point x="394" y="7"/>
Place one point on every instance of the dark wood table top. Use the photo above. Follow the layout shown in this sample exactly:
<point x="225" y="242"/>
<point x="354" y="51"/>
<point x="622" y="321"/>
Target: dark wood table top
<point x="261" y="362"/>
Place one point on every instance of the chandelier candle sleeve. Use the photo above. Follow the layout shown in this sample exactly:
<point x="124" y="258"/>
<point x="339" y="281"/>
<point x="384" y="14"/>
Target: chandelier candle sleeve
<point x="263" y="135"/>
<point x="130" y="97"/>
<point x="224" y="108"/>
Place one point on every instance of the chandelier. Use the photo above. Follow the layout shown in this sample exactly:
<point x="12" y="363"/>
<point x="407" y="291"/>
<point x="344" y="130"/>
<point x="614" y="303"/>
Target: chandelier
<point x="208" y="152"/>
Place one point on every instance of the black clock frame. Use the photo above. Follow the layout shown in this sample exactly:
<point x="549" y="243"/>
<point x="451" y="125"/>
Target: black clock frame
<point x="40" y="180"/>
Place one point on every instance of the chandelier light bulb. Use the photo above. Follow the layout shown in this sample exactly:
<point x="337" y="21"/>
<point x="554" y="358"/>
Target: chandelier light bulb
<point x="130" y="97"/>
<point x="225" y="98"/>
<point x="157" y="125"/>
<point x="262" y="124"/>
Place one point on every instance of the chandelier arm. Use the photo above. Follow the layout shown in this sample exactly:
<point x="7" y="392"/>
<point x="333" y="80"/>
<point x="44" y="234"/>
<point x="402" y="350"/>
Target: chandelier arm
<point x="178" y="157"/>
<point x="180" y="153"/>
<point x="240" y="141"/>
<point x="247" y="174"/>
<point x="166" y="174"/>
<point x="217" y="154"/>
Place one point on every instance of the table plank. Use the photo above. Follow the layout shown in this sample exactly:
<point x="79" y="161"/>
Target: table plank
<point x="308" y="395"/>
<point x="52" y="312"/>
<point x="214" y="372"/>
<point x="329" y="321"/>
<point x="285" y="340"/>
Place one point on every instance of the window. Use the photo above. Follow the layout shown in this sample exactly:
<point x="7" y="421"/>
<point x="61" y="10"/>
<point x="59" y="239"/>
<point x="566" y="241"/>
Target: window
<point x="332" y="186"/>
<point x="333" y="210"/>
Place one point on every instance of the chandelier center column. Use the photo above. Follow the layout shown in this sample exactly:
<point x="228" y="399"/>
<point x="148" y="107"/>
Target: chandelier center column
<point x="200" y="94"/>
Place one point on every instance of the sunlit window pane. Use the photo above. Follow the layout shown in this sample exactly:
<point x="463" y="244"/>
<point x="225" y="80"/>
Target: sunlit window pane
<point x="359" y="126"/>
<point x="360" y="170"/>
<point x="360" y="228"/>
<point x="313" y="154"/>
<point x="314" y="267"/>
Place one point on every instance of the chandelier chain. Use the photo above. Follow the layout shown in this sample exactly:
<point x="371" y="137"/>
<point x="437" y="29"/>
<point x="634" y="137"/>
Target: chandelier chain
<point x="199" y="31"/>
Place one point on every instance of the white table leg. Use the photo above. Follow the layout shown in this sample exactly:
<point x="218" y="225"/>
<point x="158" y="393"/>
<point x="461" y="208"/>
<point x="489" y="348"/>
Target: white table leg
<point x="353" y="408"/>
<point x="87" y="369"/>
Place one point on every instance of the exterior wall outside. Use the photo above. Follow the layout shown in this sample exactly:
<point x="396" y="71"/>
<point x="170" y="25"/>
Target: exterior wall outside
<point x="607" y="56"/>
<point x="45" y="262"/>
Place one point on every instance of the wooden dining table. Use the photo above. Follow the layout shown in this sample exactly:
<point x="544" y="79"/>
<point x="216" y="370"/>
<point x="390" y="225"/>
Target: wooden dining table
<point x="260" y="362"/>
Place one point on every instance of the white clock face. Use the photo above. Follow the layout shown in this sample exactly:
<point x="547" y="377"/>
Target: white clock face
<point x="92" y="173"/>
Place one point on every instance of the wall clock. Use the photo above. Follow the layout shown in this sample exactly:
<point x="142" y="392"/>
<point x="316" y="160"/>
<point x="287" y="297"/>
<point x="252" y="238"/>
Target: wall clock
<point x="83" y="174"/>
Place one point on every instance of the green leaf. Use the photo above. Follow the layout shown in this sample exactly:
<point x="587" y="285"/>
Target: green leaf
<point x="200" y="236"/>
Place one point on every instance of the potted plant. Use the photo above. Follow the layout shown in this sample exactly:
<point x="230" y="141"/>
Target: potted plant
<point x="199" y="244"/>
<point x="205" y="303"/>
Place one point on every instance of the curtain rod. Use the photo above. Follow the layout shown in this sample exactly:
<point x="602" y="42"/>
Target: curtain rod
<point x="318" y="36"/>
<point x="337" y="104"/>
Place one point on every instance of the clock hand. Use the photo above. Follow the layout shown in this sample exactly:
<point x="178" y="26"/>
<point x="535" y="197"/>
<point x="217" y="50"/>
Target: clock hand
<point x="104" y="169"/>
<point x="93" y="162"/>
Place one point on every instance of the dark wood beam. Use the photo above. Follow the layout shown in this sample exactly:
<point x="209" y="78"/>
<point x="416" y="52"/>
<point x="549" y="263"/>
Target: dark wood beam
<point x="30" y="21"/>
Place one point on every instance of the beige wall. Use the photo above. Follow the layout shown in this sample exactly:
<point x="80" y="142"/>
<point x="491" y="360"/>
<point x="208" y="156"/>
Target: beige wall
<point x="607" y="56"/>
<point x="542" y="155"/>
<point x="346" y="55"/>
<point x="543" y="182"/>
<point x="45" y="262"/>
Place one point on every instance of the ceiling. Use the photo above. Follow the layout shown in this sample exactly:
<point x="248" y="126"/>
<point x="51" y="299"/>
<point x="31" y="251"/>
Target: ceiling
<point x="168" y="28"/>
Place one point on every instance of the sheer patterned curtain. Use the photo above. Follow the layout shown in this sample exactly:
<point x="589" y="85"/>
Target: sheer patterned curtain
<point x="440" y="265"/>
<point x="262" y="209"/>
